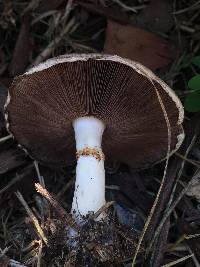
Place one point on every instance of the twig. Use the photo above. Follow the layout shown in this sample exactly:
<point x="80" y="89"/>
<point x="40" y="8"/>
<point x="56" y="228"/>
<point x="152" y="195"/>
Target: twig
<point x="54" y="203"/>
<point x="102" y="209"/>
<point x="187" y="29"/>
<point x="68" y="9"/>
<point x="164" y="174"/>
<point x="49" y="49"/>
<point x="3" y="139"/>
<point x="42" y="203"/>
<point x="159" y="246"/>
<point x="65" y="188"/>
<point x="181" y="239"/>
<point x="195" y="260"/>
<point x="78" y="46"/>
<point x="188" y="160"/>
<point x="127" y="8"/>
<point x="177" y="28"/>
<point x="178" y="261"/>
<point x="4" y="251"/>
<point x="125" y="237"/>
<point x="159" y="228"/>
<point x="43" y="15"/>
<point x="16" y="179"/>
<point x="33" y="4"/>
<point x="12" y="182"/>
<point x="181" y="169"/>
<point x="40" y="178"/>
<point x="39" y="256"/>
<point x="33" y="218"/>
<point x="30" y="246"/>
<point x="192" y="7"/>
<point x="171" y="208"/>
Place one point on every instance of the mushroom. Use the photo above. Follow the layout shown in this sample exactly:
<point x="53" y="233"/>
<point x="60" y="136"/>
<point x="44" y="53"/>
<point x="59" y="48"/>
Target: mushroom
<point x="86" y="106"/>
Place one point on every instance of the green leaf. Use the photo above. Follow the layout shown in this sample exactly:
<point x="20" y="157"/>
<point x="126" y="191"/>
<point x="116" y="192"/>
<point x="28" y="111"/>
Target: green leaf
<point x="192" y="102"/>
<point x="194" y="82"/>
<point x="196" y="61"/>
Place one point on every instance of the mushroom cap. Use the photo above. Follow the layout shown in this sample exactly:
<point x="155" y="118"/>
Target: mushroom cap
<point x="43" y="103"/>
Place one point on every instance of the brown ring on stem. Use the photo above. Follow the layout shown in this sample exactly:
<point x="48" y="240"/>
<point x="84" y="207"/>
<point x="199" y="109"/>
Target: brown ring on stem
<point x="94" y="152"/>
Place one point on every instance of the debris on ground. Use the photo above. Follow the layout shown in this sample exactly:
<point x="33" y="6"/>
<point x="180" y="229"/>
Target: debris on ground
<point x="164" y="36"/>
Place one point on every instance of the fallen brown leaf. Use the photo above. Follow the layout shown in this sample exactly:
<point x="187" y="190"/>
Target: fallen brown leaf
<point x="134" y="43"/>
<point x="22" y="48"/>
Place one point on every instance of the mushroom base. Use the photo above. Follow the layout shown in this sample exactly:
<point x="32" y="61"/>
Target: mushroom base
<point x="89" y="195"/>
<point x="97" y="243"/>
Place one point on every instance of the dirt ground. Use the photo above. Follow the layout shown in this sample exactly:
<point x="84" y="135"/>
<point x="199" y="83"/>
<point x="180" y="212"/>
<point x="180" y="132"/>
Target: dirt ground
<point x="165" y="37"/>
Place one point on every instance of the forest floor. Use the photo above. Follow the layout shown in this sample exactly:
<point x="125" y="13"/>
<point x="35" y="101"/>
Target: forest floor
<point x="162" y="35"/>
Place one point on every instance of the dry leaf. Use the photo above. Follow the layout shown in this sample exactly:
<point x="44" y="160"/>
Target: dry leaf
<point x="22" y="49"/>
<point x="134" y="43"/>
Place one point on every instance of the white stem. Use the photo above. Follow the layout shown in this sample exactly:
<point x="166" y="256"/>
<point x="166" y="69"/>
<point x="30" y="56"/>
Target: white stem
<point x="89" y="194"/>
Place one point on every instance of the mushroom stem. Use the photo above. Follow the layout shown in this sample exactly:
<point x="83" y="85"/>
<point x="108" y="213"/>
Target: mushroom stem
<point x="89" y="194"/>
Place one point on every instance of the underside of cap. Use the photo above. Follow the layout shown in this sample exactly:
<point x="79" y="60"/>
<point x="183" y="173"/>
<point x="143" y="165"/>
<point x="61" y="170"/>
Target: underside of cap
<point x="133" y="64"/>
<point x="45" y="101"/>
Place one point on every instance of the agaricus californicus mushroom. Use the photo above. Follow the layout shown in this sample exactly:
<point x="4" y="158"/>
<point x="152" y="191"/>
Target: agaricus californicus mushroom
<point x="88" y="106"/>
